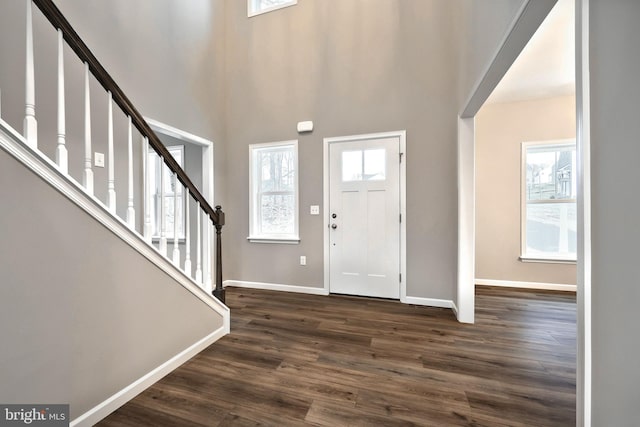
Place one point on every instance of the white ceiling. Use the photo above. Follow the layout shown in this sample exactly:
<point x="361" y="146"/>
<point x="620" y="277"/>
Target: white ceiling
<point x="546" y="66"/>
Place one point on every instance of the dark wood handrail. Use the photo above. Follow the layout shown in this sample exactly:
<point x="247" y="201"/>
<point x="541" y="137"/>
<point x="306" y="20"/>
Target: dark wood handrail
<point x="55" y="17"/>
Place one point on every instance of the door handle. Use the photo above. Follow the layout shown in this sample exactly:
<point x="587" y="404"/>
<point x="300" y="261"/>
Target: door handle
<point x="334" y="226"/>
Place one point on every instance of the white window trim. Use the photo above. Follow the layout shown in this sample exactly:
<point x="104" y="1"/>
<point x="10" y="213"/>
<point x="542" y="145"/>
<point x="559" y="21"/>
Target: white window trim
<point x="253" y="11"/>
<point x="548" y="260"/>
<point x="524" y="255"/>
<point x="270" y="238"/>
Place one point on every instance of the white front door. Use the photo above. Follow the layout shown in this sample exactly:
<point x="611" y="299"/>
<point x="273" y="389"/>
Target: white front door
<point x="364" y="217"/>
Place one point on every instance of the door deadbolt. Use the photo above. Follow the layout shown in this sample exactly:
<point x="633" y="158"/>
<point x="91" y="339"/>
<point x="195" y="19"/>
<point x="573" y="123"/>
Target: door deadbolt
<point x="334" y="216"/>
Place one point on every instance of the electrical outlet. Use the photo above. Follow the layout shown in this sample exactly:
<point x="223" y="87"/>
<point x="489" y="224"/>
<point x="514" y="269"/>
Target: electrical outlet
<point x="314" y="210"/>
<point x="303" y="260"/>
<point x="99" y="160"/>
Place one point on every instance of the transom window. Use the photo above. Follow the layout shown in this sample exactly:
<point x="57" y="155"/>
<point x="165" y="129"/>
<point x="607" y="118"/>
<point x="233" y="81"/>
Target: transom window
<point x="257" y="7"/>
<point x="274" y="192"/>
<point x="549" y="212"/>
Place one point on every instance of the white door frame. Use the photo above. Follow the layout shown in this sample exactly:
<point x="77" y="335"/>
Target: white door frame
<point x="208" y="267"/>
<point x="402" y="136"/>
<point x="583" y="146"/>
<point x="526" y="22"/>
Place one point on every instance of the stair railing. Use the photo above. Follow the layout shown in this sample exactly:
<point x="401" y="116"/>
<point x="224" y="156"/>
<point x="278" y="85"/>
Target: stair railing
<point x="212" y="217"/>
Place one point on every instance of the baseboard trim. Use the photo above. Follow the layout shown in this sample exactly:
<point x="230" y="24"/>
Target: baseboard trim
<point x="105" y="408"/>
<point x="276" y="287"/>
<point x="454" y="307"/>
<point x="430" y="302"/>
<point x="527" y="285"/>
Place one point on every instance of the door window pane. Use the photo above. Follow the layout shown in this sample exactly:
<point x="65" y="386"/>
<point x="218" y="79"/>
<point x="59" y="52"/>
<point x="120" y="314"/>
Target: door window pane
<point x="352" y="165"/>
<point x="375" y="164"/>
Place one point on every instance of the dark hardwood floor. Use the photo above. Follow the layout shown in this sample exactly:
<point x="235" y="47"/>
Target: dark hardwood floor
<point x="295" y="359"/>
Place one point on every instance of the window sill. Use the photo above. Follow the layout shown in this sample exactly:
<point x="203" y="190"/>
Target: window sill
<point x="277" y="240"/>
<point x="547" y="260"/>
<point x="251" y="13"/>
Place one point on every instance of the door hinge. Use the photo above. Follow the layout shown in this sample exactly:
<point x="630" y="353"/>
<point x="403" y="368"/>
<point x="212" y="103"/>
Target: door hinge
<point x="400" y="277"/>
<point x="400" y="217"/>
<point x="401" y="154"/>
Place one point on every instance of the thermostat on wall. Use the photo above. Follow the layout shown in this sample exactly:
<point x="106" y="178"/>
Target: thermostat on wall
<point x="305" y="126"/>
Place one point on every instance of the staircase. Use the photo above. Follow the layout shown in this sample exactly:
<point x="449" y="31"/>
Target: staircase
<point x="94" y="305"/>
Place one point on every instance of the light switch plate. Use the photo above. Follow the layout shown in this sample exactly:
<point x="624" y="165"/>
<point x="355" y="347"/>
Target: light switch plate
<point x="303" y="260"/>
<point x="99" y="160"/>
<point x="314" y="210"/>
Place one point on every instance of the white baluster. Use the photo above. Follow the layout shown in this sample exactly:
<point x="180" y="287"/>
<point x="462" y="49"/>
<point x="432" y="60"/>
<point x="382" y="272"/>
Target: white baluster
<point x="131" y="212"/>
<point x="87" y="177"/>
<point x="61" y="149"/>
<point x="198" y="245"/>
<point x="30" y="123"/>
<point x="208" y="282"/>
<point x="147" y="230"/>
<point x="111" y="181"/>
<point x="187" y="236"/>
<point x="176" y="242"/>
<point x="163" y="223"/>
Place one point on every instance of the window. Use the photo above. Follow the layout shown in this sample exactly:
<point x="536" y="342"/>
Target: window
<point x="256" y="7"/>
<point x="274" y="192"/>
<point x="153" y="175"/>
<point x="549" y="201"/>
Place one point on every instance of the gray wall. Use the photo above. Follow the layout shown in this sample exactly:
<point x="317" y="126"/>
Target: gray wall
<point x="481" y="26"/>
<point x="352" y="69"/>
<point x="500" y="131"/>
<point x="82" y="314"/>
<point x="615" y="150"/>
<point x="133" y="41"/>
<point x="267" y="81"/>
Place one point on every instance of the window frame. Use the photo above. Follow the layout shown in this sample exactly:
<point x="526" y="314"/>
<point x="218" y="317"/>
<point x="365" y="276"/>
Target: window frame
<point x="253" y="8"/>
<point x="254" y="214"/>
<point x="155" y="195"/>
<point x="524" y="255"/>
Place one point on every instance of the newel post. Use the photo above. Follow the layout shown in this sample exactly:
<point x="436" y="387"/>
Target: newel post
<point x="219" y="291"/>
